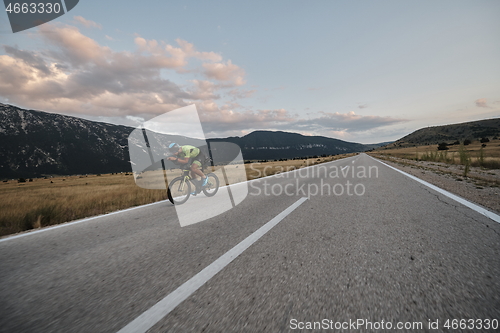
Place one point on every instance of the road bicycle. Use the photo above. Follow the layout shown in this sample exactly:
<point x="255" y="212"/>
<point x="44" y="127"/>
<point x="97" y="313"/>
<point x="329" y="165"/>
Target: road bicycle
<point x="180" y="188"/>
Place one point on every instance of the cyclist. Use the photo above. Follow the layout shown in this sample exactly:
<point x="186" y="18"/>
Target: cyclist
<point x="189" y="155"/>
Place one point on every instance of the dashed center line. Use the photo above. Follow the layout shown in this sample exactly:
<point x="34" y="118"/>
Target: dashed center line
<point x="154" y="314"/>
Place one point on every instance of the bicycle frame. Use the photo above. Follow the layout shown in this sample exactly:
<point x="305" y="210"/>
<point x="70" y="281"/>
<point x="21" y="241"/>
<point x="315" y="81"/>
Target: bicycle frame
<point x="186" y="177"/>
<point x="209" y="190"/>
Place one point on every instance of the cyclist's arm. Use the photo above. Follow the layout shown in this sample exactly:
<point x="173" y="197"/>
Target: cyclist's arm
<point x="179" y="160"/>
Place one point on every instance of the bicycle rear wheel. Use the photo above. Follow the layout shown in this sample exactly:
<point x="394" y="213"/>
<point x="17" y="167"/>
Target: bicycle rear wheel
<point x="212" y="185"/>
<point x="178" y="191"/>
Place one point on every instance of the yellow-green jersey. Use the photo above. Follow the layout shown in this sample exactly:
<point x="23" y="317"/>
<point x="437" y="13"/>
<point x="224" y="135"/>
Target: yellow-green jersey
<point x="189" y="152"/>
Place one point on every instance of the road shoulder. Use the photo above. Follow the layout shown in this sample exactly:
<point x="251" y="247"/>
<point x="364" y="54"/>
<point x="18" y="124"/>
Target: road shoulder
<point x="480" y="190"/>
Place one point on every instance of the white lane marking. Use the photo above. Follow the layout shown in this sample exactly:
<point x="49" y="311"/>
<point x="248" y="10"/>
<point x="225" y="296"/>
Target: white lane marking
<point x="464" y="202"/>
<point x="28" y="233"/>
<point x="154" y="314"/>
<point x="76" y="222"/>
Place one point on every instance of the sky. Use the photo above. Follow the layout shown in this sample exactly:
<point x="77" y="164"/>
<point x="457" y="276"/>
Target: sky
<point x="360" y="71"/>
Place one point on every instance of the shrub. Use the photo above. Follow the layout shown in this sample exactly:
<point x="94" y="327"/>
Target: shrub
<point x="483" y="140"/>
<point x="467" y="142"/>
<point x="464" y="159"/>
<point x="21" y="180"/>
<point x="436" y="157"/>
<point x="480" y="159"/>
<point x="443" y="146"/>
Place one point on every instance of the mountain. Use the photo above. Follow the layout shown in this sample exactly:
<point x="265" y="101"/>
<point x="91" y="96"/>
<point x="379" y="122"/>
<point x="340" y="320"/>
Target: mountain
<point x="377" y="145"/>
<point x="268" y="145"/>
<point x="35" y="143"/>
<point x="473" y="130"/>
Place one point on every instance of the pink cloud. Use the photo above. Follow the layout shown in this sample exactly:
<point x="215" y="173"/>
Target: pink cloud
<point x="240" y="93"/>
<point x="481" y="102"/>
<point x="87" y="23"/>
<point x="77" y="75"/>
<point x="226" y="72"/>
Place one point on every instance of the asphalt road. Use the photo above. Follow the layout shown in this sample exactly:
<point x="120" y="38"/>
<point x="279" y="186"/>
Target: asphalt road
<point x="400" y="252"/>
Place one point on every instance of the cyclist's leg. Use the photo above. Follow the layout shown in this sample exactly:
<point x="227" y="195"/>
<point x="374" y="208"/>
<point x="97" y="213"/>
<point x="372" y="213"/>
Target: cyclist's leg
<point x="196" y="170"/>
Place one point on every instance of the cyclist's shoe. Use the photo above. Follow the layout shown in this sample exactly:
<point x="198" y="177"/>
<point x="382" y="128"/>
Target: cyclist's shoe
<point x="194" y="193"/>
<point x="205" y="182"/>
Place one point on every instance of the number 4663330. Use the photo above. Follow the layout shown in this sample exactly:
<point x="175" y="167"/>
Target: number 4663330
<point x="33" y="8"/>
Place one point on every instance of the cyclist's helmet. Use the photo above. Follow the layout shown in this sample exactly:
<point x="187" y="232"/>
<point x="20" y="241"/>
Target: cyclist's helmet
<point x="173" y="147"/>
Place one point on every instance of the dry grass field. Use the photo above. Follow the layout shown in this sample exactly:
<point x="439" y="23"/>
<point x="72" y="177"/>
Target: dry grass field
<point x="43" y="202"/>
<point x="258" y="170"/>
<point x="474" y="154"/>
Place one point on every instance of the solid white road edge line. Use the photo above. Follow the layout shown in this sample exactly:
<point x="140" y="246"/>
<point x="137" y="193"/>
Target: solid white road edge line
<point x="154" y="314"/>
<point x="464" y="202"/>
<point x="28" y="233"/>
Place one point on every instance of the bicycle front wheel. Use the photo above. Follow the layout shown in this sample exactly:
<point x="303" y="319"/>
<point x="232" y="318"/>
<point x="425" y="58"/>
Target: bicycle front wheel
<point x="212" y="185"/>
<point x="178" y="191"/>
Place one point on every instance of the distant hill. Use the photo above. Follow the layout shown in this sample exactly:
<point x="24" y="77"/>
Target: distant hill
<point x="473" y="130"/>
<point x="35" y="143"/>
<point x="269" y="145"/>
<point x="377" y="145"/>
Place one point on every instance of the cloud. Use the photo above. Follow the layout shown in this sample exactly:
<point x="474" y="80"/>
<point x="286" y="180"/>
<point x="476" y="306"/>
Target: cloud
<point x="240" y="93"/>
<point x="87" y="23"/>
<point x="74" y="48"/>
<point x="29" y="58"/>
<point x="225" y="72"/>
<point x="350" y="122"/>
<point x="168" y="56"/>
<point x="481" y="102"/>
<point x="232" y="118"/>
<point x="204" y="90"/>
<point x="363" y="106"/>
<point x="135" y="120"/>
<point x="190" y="51"/>
<point x="75" y="74"/>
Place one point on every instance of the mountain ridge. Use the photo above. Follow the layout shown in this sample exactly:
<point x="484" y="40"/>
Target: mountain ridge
<point x="471" y="130"/>
<point x="268" y="145"/>
<point x="36" y="143"/>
